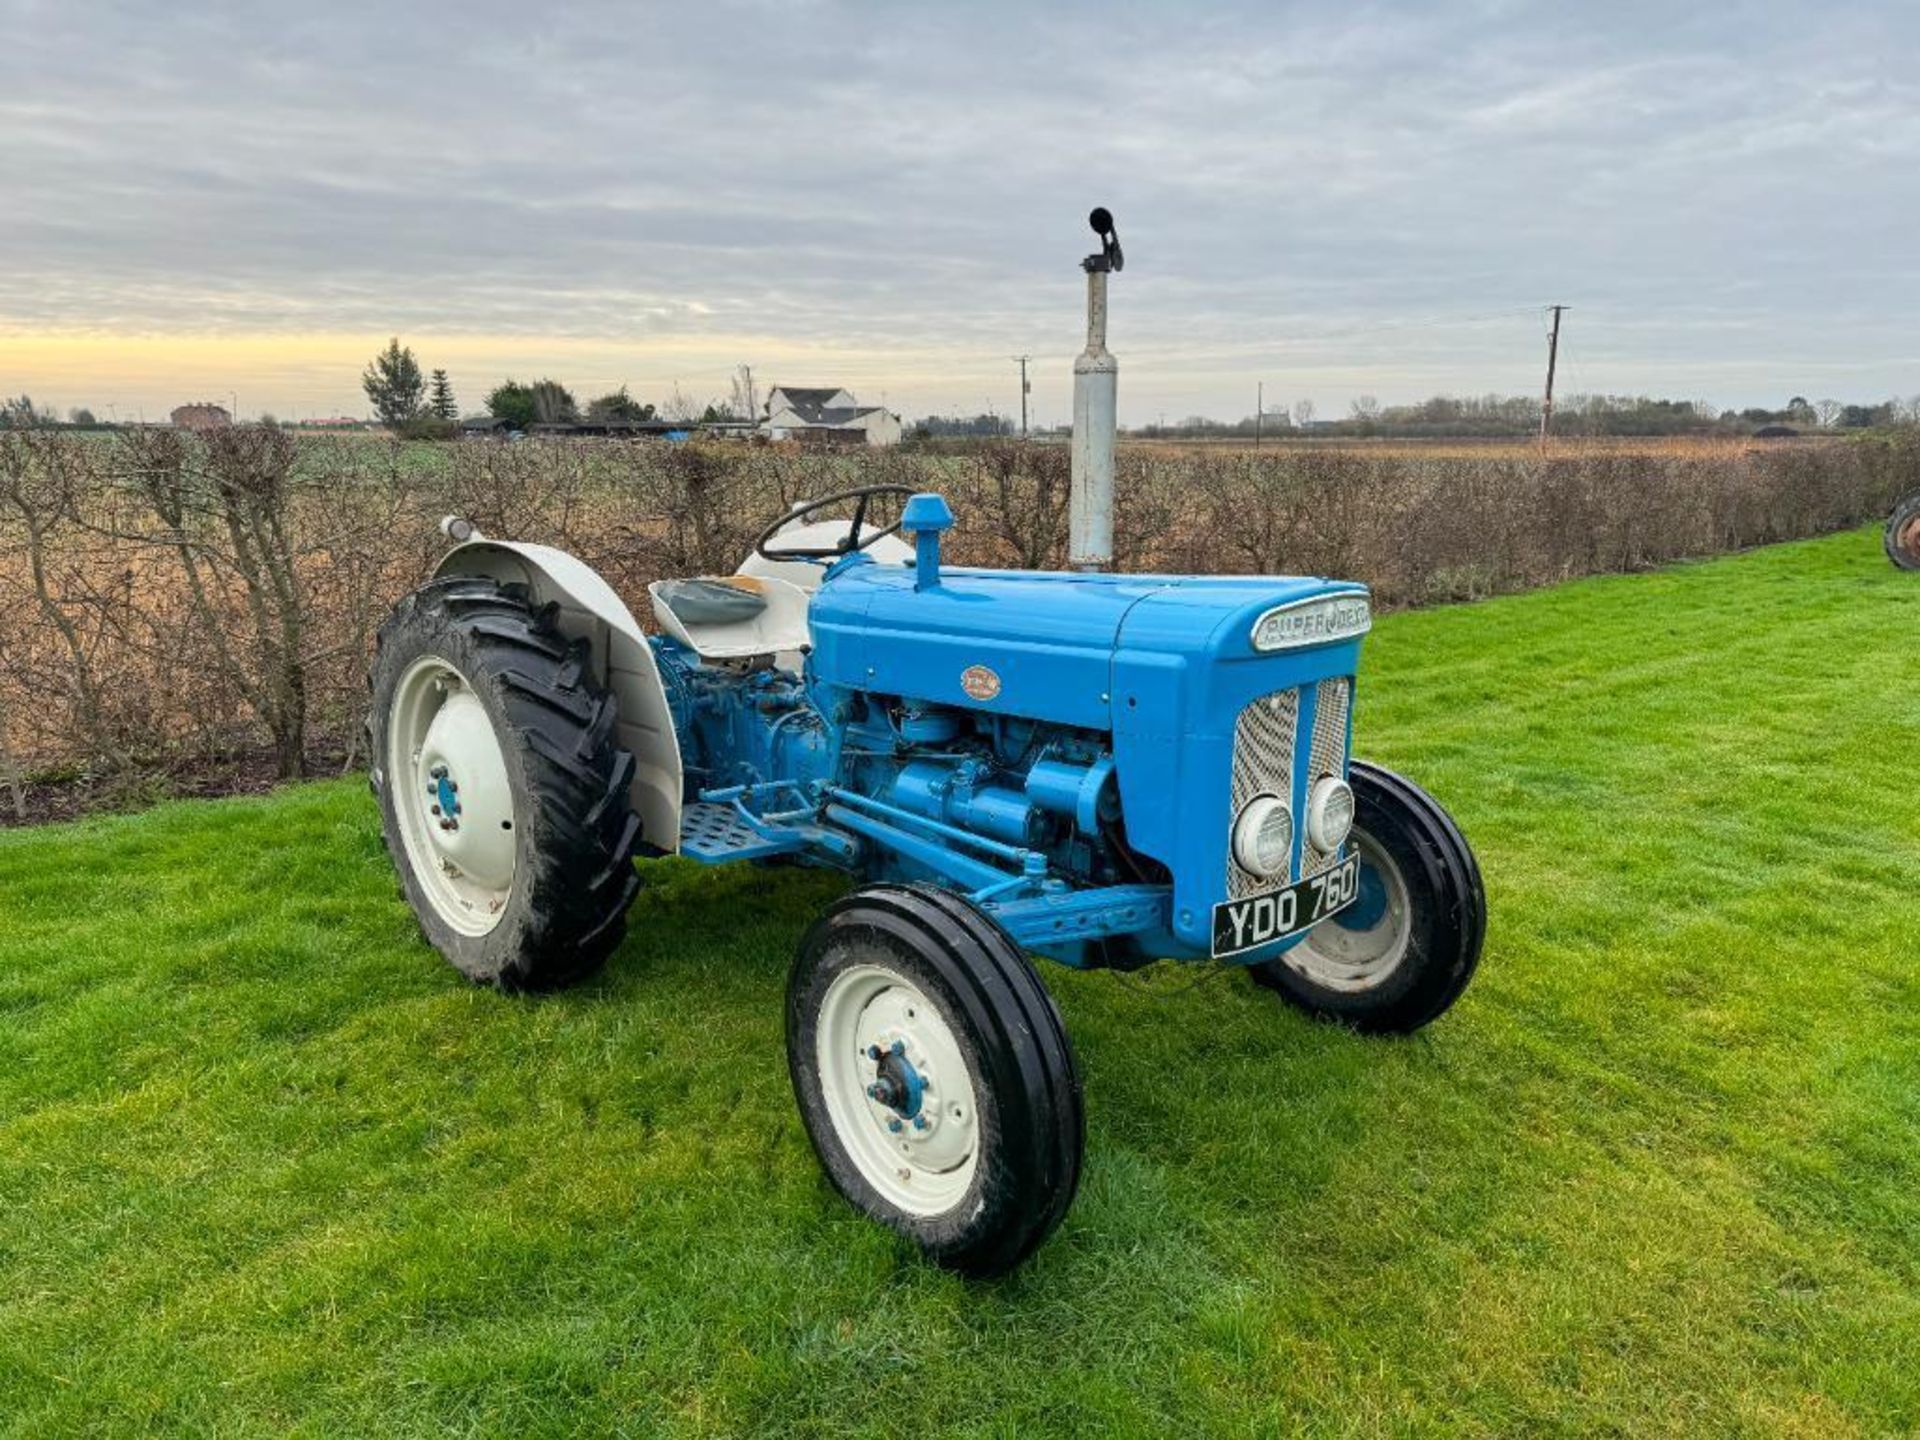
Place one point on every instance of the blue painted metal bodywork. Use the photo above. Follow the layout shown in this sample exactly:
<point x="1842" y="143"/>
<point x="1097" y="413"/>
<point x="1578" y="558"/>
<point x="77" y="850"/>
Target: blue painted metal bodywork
<point x="1059" y="747"/>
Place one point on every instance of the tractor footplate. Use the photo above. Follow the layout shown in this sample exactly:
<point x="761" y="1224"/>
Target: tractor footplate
<point x="714" y="834"/>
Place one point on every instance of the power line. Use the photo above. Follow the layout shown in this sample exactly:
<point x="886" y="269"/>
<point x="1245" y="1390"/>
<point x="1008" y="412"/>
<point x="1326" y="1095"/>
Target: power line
<point x="1429" y="322"/>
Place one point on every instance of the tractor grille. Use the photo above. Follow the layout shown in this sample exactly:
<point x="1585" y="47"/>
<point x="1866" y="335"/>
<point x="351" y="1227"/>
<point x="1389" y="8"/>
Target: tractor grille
<point x="1266" y="745"/>
<point x="1329" y="756"/>
<point x="1263" y="741"/>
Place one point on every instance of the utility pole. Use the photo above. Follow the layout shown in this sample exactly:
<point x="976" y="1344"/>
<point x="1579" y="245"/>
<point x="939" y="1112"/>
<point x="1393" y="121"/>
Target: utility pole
<point x="1021" y="361"/>
<point x="1259" y="410"/>
<point x="1553" y="356"/>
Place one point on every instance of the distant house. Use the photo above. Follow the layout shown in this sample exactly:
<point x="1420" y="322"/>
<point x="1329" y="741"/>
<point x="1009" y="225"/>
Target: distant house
<point x="202" y="416"/>
<point x="827" y="416"/>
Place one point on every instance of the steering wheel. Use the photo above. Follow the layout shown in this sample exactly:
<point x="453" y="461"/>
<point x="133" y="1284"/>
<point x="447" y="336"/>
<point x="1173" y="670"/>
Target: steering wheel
<point x="853" y="539"/>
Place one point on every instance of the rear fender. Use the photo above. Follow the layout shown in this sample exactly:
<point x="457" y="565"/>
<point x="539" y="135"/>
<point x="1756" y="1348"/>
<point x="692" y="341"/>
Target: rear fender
<point x="623" y="662"/>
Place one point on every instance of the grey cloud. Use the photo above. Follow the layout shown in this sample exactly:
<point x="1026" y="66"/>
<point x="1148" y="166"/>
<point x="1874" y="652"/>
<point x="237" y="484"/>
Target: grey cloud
<point x="1723" y="194"/>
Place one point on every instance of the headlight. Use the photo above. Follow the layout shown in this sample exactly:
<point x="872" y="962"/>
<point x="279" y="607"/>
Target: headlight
<point x="1329" y="814"/>
<point x="1318" y="621"/>
<point x="1263" y="836"/>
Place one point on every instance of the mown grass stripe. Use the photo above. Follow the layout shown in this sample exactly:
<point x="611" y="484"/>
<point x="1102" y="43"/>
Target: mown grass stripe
<point x="268" y="1167"/>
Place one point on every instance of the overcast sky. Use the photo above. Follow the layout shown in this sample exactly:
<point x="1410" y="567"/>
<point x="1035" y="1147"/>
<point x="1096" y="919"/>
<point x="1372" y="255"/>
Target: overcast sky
<point x="1338" y="199"/>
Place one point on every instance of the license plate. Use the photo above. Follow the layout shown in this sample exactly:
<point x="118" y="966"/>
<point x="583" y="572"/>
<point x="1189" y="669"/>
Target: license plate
<point x="1261" y="919"/>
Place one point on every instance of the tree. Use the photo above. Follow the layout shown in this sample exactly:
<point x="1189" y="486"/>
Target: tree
<point x="553" y="403"/>
<point x="1828" y="411"/>
<point x="618" y="405"/>
<point x="81" y="415"/>
<point x="680" y="406"/>
<point x="440" y="402"/>
<point x="1303" y="413"/>
<point x="744" y="401"/>
<point x="512" y="402"/>
<point x="1366" y="409"/>
<point x="544" y="402"/>
<point x="22" y="413"/>
<point x="393" y="384"/>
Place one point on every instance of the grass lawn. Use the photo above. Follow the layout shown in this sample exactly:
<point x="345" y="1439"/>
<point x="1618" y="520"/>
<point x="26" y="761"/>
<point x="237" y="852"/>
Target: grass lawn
<point x="267" y="1165"/>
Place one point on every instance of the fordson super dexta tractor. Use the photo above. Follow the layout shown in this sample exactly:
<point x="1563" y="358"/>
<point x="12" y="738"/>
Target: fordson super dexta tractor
<point x="1101" y="769"/>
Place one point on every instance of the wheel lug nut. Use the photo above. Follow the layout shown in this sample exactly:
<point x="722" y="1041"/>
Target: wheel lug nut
<point x="436" y="809"/>
<point x="873" y="1052"/>
<point x="899" y="1047"/>
<point x="919" y="1122"/>
<point x="894" y="1125"/>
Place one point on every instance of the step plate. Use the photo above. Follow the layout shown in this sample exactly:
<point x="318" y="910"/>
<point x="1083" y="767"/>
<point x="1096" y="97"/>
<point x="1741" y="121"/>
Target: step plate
<point x="715" y="834"/>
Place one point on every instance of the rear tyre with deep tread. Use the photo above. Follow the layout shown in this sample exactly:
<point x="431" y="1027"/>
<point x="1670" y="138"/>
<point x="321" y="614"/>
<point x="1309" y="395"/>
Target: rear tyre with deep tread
<point x="559" y="760"/>
<point x="986" y="1055"/>
<point x="1902" y="537"/>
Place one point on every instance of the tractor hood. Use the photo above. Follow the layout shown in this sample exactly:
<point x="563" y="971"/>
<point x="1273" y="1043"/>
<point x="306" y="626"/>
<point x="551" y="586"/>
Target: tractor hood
<point x="1048" y="645"/>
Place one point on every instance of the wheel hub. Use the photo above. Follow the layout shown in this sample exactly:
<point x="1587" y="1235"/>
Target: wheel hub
<point x="1369" y="907"/>
<point x="1363" y="945"/>
<point x="464" y="776"/>
<point x="452" y="795"/>
<point x="897" y="1085"/>
<point x="446" y="795"/>
<point x="898" y="1088"/>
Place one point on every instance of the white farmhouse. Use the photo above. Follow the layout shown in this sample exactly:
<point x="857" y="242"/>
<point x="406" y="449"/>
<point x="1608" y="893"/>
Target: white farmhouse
<point x="828" y="416"/>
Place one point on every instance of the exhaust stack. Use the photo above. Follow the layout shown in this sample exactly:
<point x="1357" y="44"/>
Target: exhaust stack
<point x="1096" y="381"/>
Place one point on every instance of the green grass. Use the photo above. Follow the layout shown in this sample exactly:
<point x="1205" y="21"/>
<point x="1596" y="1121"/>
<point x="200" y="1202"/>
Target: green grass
<point x="268" y="1166"/>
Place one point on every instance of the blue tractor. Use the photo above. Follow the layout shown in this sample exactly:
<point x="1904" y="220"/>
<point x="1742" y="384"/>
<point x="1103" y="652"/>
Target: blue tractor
<point x="1100" y="769"/>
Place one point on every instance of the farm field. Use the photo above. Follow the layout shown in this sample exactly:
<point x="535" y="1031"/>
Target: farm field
<point x="267" y="1166"/>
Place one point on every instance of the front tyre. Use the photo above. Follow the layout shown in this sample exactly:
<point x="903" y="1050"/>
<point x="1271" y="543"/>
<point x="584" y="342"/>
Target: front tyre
<point x="502" y="785"/>
<point x="1902" y="537"/>
<point x="1403" y="952"/>
<point x="934" y="1075"/>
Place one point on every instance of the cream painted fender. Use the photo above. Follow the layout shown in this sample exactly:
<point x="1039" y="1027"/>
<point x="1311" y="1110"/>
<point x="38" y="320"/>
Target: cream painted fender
<point x="623" y="662"/>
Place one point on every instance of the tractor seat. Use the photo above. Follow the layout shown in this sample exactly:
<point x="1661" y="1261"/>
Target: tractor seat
<point x="729" y="617"/>
<point x="710" y="602"/>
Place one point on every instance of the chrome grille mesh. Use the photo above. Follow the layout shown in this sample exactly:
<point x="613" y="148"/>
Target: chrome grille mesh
<point x="1263" y="742"/>
<point x="1328" y="755"/>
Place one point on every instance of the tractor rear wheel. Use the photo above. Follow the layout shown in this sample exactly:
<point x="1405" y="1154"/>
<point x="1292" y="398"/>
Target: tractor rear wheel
<point x="1903" y="534"/>
<point x="934" y="1075"/>
<point x="502" y="785"/>
<point x="1403" y="952"/>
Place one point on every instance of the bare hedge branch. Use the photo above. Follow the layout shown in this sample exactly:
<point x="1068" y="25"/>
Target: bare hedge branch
<point x="167" y="599"/>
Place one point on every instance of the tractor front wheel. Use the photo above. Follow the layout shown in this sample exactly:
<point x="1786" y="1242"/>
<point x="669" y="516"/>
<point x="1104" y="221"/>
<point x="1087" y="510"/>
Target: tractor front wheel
<point x="502" y="785"/>
<point x="1903" y="534"/>
<point x="934" y="1075"/>
<point x="1402" y="953"/>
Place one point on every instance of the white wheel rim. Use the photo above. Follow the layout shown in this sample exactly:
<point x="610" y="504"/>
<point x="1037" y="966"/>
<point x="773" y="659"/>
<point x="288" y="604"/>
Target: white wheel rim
<point x="451" y="797"/>
<point x="922" y="1162"/>
<point x="1352" y="960"/>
